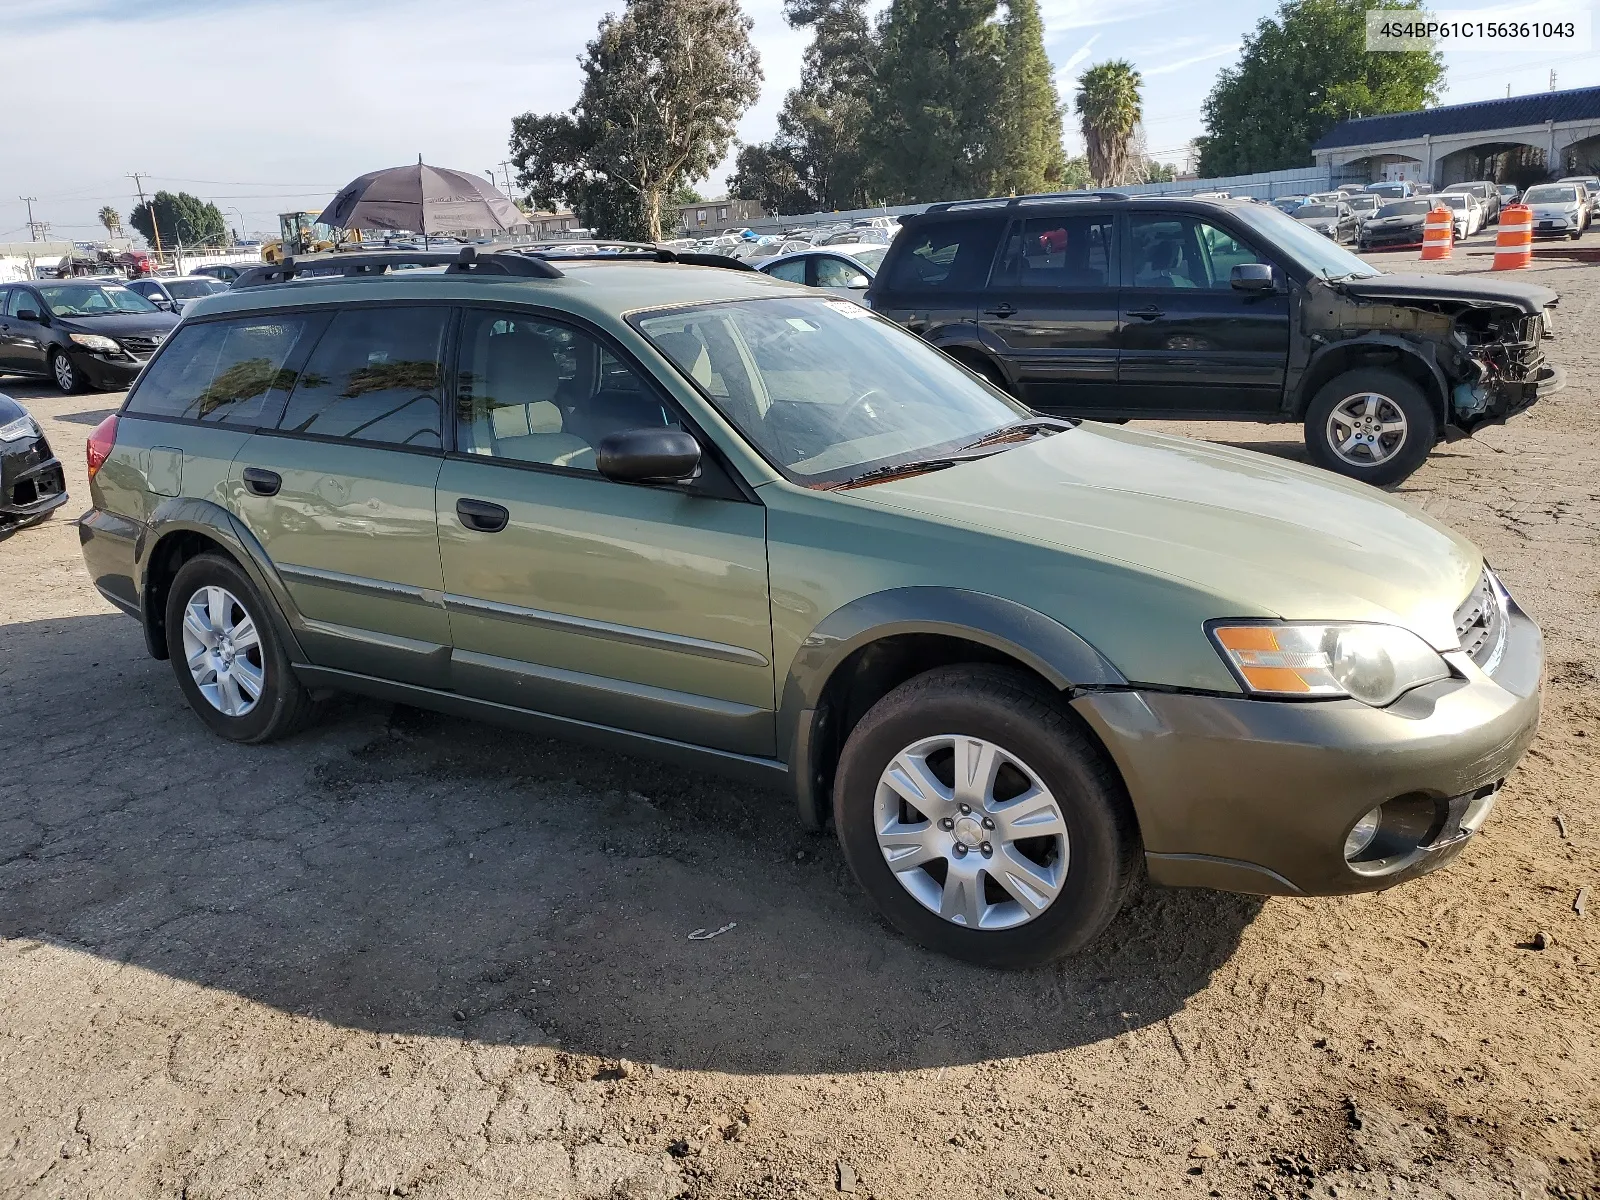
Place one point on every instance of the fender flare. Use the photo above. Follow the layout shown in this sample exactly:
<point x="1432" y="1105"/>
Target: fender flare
<point x="1036" y="641"/>
<point x="187" y="514"/>
<point x="1423" y="353"/>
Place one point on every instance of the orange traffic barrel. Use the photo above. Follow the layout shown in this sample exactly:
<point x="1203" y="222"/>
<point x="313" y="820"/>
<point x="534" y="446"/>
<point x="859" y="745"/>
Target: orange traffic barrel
<point x="1438" y="233"/>
<point x="1513" y="246"/>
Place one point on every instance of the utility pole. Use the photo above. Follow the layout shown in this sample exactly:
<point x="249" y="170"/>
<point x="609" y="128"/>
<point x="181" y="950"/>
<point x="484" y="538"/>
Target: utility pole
<point x="1552" y="79"/>
<point x="36" y="229"/>
<point x="506" y="167"/>
<point x="154" y="228"/>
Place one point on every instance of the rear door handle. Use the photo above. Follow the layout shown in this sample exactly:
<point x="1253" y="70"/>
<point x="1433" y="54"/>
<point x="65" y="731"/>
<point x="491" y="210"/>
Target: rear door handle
<point x="481" y="516"/>
<point x="1001" y="310"/>
<point x="1148" y="313"/>
<point x="261" y="481"/>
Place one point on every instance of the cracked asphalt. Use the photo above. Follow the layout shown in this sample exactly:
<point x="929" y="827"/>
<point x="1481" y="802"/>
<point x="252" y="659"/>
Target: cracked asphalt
<point x="404" y="954"/>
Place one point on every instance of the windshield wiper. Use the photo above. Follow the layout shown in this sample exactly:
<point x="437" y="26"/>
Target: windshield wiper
<point x="915" y="467"/>
<point x="1029" y="427"/>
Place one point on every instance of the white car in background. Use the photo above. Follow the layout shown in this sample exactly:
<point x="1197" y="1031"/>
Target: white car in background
<point x="1466" y="212"/>
<point x="1558" y="209"/>
<point x="845" y="270"/>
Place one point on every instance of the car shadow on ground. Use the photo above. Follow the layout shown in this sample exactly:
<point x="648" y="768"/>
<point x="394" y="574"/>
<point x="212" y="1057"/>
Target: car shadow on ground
<point x="394" y="870"/>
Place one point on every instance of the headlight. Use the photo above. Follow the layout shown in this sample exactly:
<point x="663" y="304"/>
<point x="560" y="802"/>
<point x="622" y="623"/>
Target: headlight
<point x="20" y="428"/>
<point x="93" y="341"/>
<point x="1376" y="664"/>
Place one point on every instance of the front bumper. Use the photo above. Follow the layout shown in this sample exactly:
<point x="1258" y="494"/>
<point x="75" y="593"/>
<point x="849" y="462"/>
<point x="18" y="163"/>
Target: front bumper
<point x="1555" y="225"/>
<point x="32" y="482"/>
<point x="1390" y="239"/>
<point x="107" y="374"/>
<point x="1258" y="796"/>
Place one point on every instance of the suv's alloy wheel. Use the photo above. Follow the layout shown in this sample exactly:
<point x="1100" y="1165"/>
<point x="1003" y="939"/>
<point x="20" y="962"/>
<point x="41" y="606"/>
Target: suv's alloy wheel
<point x="1371" y="424"/>
<point x="226" y="655"/>
<point x="1008" y="842"/>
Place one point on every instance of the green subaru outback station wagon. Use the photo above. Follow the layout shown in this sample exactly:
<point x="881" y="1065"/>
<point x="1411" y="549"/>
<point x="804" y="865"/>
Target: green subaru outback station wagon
<point x="677" y="509"/>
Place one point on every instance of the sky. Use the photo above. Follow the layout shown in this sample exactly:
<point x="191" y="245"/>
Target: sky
<point x="268" y="106"/>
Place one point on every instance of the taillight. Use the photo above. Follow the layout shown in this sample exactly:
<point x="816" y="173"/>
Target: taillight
<point x="101" y="441"/>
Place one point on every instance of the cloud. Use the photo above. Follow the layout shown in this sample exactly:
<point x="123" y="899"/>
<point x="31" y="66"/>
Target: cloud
<point x="1184" y="63"/>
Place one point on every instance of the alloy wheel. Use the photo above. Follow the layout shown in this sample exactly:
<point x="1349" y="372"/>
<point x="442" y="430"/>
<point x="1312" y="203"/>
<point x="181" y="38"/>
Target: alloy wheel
<point x="1366" y="429"/>
<point x="223" y="650"/>
<point x="971" y="832"/>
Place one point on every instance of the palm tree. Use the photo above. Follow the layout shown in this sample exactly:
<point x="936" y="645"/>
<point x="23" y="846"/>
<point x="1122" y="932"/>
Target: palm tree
<point x="1109" y="109"/>
<point x="112" y="220"/>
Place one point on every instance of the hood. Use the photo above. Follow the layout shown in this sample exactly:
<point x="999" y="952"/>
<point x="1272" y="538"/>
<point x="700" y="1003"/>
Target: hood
<point x="1471" y="289"/>
<point x="1418" y="219"/>
<point x="1261" y="535"/>
<point x="118" y="325"/>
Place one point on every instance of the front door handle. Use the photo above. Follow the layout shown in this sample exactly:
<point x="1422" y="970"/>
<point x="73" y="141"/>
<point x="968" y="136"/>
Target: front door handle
<point x="1001" y="310"/>
<point x="261" y="481"/>
<point x="1148" y="313"/>
<point x="481" y="516"/>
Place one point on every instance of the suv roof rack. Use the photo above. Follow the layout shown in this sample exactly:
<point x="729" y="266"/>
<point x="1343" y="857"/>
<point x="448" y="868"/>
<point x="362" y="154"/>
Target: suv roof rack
<point x="610" y="251"/>
<point x="466" y="261"/>
<point x="1016" y="201"/>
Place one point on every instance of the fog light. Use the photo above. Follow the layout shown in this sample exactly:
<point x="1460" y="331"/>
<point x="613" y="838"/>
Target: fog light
<point x="1360" y="837"/>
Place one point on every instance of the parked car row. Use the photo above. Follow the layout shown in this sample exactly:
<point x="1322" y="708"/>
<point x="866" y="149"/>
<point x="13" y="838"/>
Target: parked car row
<point x="1012" y="658"/>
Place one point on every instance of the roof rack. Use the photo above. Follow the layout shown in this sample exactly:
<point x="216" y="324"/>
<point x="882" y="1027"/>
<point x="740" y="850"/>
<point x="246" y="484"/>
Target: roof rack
<point x="610" y="251"/>
<point x="466" y="261"/>
<point x="1016" y="201"/>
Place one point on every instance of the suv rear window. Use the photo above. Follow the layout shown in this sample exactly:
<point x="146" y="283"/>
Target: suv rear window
<point x="374" y="377"/>
<point x="221" y="371"/>
<point x="948" y="256"/>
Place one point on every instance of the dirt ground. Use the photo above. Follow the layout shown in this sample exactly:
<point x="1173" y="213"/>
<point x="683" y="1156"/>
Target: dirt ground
<point x="409" y="955"/>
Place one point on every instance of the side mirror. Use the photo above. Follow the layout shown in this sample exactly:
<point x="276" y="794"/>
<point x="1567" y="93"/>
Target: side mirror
<point x="1252" y="277"/>
<point x="27" y="314"/>
<point x="859" y="282"/>
<point x="654" y="455"/>
<point x="160" y="301"/>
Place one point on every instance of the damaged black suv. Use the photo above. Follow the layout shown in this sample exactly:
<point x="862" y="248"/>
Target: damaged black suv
<point x="1113" y="307"/>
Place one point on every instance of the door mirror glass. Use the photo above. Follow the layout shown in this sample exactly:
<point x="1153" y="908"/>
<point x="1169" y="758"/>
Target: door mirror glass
<point x="648" y="455"/>
<point x="161" y="302"/>
<point x="1252" y="277"/>
<point x="27" y="314"/>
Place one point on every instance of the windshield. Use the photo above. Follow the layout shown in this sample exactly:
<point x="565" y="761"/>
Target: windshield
<point x="825" y="390"/>
<point x="1406" y="208"/>
<point x="1552" y="195"/>
<point x="190" y="289"/>
<point x="1364" y="203"/>
<point x="79" y="300"/>
<point x="1311" y="249"/>
<point x="1316" y="210"/>
<point x="1456" y="201"/>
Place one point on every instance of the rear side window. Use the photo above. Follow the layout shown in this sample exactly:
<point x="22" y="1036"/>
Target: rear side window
<point x="222" y="371"/>
<point x="1057" y="252"/>
<point x="949" y="256"/>
<point x="794" y="270"/>
<point x="374" y="377"/>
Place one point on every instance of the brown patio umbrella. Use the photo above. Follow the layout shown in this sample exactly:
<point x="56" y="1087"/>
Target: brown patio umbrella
<point x="422" y="199"/>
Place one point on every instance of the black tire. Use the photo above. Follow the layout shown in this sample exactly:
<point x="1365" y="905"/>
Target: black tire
<point x="1027" y="720"/>
<point x="283" y="706"/>
<point x="64" y="374"/>
<point x="990" y="372"/>
<point x="1420" y="434"/>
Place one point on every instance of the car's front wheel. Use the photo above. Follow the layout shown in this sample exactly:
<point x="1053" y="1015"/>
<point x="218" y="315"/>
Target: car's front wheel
<point x="228" y="660"/>
<point x="982" y="820"/>
<point x="66" y="375"/>
<point x="1371" y="424"/>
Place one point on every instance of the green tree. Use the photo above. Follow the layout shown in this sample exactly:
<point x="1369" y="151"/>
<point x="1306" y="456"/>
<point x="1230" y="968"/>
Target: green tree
<point x="1075" y="175"/>
<point x="1155" y="172"/>
<point x="182" y="219"/>
<point x="1299" y="75"/>
<point x="819" y="159"/>
<point x="939" y="73"/>
<point x="664" y="86"/>
<point x="1110" y="107"/>
<point x="112" y="220"/>
<point x="1027" y="155"/>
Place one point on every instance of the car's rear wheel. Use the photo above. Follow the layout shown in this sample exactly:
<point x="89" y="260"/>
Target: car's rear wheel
<point x="228" y="660"/>
<point x="1371" y="424"/>
<point x="67" y="376"/>
<point x="982" y="820"/>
